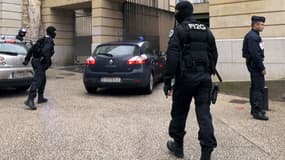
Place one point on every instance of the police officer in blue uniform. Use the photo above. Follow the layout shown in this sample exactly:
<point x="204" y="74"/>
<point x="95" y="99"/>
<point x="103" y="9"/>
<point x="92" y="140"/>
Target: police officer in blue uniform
<point x="41" y="54"/>
<point x="191" y="60"/>
<point x="253" y="51"/>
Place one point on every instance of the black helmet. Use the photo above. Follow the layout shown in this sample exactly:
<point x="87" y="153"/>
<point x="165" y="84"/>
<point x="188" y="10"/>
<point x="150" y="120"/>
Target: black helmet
<point x="183" y="9"/>
<point x="22" y="32"/>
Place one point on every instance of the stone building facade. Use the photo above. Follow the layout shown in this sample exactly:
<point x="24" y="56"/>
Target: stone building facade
<point x="83" y="24"/>
<point x="230" y="20"/>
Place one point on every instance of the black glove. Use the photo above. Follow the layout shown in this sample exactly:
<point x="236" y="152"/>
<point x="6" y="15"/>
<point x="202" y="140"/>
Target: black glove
<point x="25" y="63"/>
<point x="166" y="89"/>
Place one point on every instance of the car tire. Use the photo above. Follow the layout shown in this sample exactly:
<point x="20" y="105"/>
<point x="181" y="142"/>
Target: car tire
<point x="22" y="89"/>
<point x="91" y="90"/>
<point x="149" y="88"/>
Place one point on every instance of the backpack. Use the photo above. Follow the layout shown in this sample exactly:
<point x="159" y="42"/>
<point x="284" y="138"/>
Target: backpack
<point x="37" y="48"/>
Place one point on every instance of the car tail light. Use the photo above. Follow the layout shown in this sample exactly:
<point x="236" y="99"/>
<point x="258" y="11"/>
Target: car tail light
<point x="2" y="61"/>
<point x="90" y="61"/>
<point x="138" y="60"/>
<point x="10" y="41"/>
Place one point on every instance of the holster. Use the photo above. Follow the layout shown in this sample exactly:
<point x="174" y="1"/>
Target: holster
<point x="216" y="88"/>
<point x="214" y="93"/>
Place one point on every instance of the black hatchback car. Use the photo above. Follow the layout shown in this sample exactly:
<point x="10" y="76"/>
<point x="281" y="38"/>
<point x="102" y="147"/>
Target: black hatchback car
<point x="132" y="64"/>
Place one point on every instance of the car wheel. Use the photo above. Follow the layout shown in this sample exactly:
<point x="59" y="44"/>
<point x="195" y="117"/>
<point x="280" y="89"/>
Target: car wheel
<point x="91" y="89"/>
<point x="22" y="89"/>
<point x="149" y="87"/>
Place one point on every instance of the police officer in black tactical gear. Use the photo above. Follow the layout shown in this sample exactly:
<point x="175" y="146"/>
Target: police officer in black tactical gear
<point x="191" y="60"/>
<point x="41" y="54"/>
<point x="21" y="34"/>
<point x="253" y="51"/>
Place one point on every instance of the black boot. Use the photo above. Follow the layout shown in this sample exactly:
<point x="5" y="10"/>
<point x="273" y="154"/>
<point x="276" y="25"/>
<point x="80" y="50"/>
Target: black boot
<point x="176" y="148"/>
<point x="260" y="116"/>
<point x="206" y="153"/>
<point x="30" y="103"/>
<point x="41" y="99"/>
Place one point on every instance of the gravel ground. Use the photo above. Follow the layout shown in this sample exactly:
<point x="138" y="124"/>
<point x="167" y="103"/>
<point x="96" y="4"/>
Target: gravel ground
<point x="126" y="125"/>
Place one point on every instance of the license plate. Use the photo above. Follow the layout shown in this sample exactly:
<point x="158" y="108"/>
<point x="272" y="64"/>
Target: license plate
<point x="111" y="80"/>
<point x="20" y="74"/>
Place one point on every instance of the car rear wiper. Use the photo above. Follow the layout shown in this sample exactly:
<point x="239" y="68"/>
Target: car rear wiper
<point x="105" y="54"/>
<point x="9" y="53"/>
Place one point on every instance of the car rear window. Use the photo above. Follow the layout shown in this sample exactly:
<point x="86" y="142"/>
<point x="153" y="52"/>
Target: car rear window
<point x="6" y="48"/>
<point x="117" y="50"/>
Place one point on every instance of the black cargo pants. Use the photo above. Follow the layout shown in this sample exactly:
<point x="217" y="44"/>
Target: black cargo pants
<point x="199" y="88"/>
<point x="257" y="92"/>
<point x="39" y="80"/>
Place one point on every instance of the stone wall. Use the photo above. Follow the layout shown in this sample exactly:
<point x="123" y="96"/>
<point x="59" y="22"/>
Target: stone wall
<point x="10" y="16"/>
<point x="231" y="19"/>
<point x="107" y="21"/>
<point x="232" y="65"/>
<point x="63" y="20"/>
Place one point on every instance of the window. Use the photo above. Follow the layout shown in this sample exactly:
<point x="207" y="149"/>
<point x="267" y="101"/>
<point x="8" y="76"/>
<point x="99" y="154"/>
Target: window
<point x="194" y="1"/>
<point x="13" y="48"/>
<point x="147" y="49"/>
<point x="199" y="1"/>
<point x="117" y="50"/>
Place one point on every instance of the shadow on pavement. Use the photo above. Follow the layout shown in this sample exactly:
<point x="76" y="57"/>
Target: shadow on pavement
<point x="276" y="89"/>
<point x="76" y="68"/>
<point x="118" y="92"/>
<point x="12" y="93"/>
<point x="122" y="92"/>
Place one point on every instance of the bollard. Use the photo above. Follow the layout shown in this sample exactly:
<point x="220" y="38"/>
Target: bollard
<point x="266" y="105"/>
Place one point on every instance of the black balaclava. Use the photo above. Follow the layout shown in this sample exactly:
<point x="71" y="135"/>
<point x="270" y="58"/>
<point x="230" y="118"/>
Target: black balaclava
<point x="51" y="31"/>
<point x="185" y="10"/>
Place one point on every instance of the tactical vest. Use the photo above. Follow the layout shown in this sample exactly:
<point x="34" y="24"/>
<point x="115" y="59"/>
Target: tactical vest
<point x="195" y="52"/>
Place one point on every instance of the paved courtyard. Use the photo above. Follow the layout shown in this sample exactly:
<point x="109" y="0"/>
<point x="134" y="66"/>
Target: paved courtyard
<point x="125" y="125"/>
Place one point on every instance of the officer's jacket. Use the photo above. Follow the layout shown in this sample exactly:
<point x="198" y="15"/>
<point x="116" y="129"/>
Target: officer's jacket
<point x="253" y="51"/>
<point x="20" y="38"/>
<point x="201" y="41"/>
<point x="47" y="51"/>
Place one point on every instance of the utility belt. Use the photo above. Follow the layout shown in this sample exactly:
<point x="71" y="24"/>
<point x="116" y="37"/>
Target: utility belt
<point x="38" y="58"/>
<point x="195" y="69"/>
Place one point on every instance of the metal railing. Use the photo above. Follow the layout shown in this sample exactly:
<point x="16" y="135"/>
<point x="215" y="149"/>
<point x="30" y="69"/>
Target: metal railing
<point x="200" y="1"/>
<point x="195" y="1"/>
<point x="150" y="3"/>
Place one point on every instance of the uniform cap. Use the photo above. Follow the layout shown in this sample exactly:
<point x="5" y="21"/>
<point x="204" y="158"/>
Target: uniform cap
<point x="258" y="19"/>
